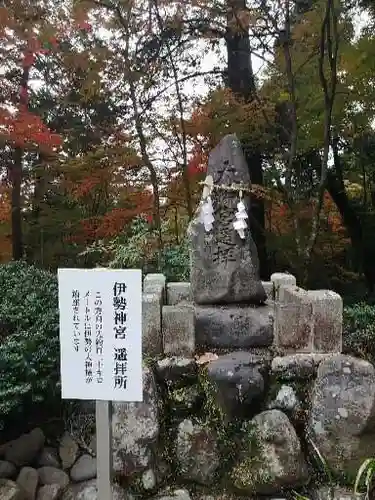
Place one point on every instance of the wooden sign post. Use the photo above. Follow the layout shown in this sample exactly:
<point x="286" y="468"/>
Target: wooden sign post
<point x="101" y="348"/>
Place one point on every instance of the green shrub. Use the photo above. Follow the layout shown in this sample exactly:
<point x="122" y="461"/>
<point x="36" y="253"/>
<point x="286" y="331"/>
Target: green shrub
<point x="359" y="331"/>
<point x="29" y="342"/>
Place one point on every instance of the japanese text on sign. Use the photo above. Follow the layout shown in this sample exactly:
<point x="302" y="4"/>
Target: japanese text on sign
<point x="100" y="334"/>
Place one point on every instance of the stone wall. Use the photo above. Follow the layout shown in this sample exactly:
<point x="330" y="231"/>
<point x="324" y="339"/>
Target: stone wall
<point x="229" y="411"/>
<point x="293" y="320"/>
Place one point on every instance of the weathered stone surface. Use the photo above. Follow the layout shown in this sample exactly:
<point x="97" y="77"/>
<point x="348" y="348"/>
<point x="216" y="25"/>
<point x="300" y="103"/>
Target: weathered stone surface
<point x="178" y="330"/>
<point x="234" y="327"/>
<point x="269" y="289"/>
<point x="224" y="268"/>
<point x="185" y="401"/>
<point x="342" y="416"/>
<point x="51" y="475"/>
<point x="176" y="369"/>
<point x="286" y="400"/>
<point x="297" y="366"/>
<point x="327" y="309"/>
<point x="84" y="469"/>
<point x="152" y="339"/>
<point x="270" y="456"/>
<point x="197" y="452"/>
<point x="50" y="492"/>
<point x="235" y="382"/>
<point x="7" y="470"/>
<point x="174" y="495"/>
<point x="293" y="327"/>
<point x="28" y="481"/>
<point x="68" y="451"/>
<point x="49" y="458"/>
<point x="24" y="450"/>
<point x="178" y="292"/>
<point x="88" y="491"/>
<point x="10" y="490"/>
<point x="155" y="283"/>
<point x="335" y="493"/>
<point x="279" y="280"/>
<point x="136" y="430"/>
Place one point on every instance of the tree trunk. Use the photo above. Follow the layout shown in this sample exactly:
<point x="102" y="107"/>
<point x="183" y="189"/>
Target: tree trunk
<point x="16" y="179"/>
<point x="242" y="83"/>
<point x="352" y="220"/>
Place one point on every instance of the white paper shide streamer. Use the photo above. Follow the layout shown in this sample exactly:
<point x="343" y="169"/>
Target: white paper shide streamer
<point x="207" y="214"/>
<point x="240" y="223"/>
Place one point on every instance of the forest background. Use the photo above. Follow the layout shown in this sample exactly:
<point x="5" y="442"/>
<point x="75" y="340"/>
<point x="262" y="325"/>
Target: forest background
<point x="109" y="108"/>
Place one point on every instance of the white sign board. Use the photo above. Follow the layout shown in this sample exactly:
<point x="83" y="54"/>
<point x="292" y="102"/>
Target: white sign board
<point x="101" y="334"/>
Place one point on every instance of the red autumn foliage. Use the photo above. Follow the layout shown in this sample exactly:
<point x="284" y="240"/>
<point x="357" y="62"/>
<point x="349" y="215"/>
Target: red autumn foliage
<point x="25" y="129"/>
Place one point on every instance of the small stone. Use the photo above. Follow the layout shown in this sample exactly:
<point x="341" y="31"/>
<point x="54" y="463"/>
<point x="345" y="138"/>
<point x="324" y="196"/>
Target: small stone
<point x="84" y="469"/>
<point x="10" y="490"/>
<point x="174" y="495"/>
<point x="297" y="366"/>
<point x="197" y="452"/>
<point x="50" y="492"/>
<point x="88" y="491"/>
<point x="279" y="280"/>
<point x="177" y="369"/>
<point x="155" y="283"/>
<point x="234" y="383"/>
<point x="287" y="399"/>
<point x="178" y="330"/>
<point x="28" y="481"/>
<point x="24" y="450"/>
<point x="68" y="451"/>
<point x="270" y="456"/>
<point x="148" y="480"/>
<point x="7" y="470"/>
<point x="177" y="293"/>
<point x="152" y="340"/>
<point x="234" y="326"/>
<point x="51" y="475"/>
<point x="49" y="458"/>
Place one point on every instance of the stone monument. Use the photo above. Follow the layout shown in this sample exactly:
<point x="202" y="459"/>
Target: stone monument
<point x="224" y="258"/>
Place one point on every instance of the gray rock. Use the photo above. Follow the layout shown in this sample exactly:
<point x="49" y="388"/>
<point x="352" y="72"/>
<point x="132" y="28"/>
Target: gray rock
<point x="279" y="280"/>
<point x="178" y="330"/>
<point x="235" y="382"/>
<point x="28" y="480"/>
<point x="68" y="451"/>
<point x="270" y="457"/>
<point x="10" y="490"/>
<point x="84" y="469"/>
<point x="7" y="470"/>
<point x="50" y="492"/>
<point x="178" y="292"/>
<point x="149" y="480"/>
<point x="286" y="399"/>
<point x="176" y="370"/>
<point x="49" y="458"/>
<point x="152" y="339"/>
<point x="88" y="491"/>
<point x="225" y="268"/>
<point x="342" y="416"/>
<point x="197" y="452"/>
<point x="297" y="366"/>
<point x="174" y="495"/>
<point x="336" y="493"/>
<point x="136" y="430"/>
<point x="25" y="449"/>
<point x="185" y="401"/>
<point x="234" y="327"/>
<point x="155" y="283"/>
<point x="51" y="475"/>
